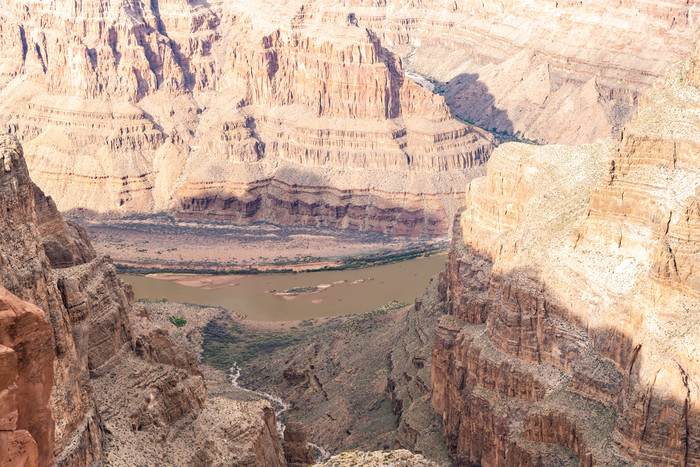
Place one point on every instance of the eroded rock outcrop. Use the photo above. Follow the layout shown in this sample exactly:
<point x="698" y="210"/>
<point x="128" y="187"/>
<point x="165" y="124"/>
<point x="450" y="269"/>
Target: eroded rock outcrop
<point x="572" y="301"/>
<point x="86" y="366"/>
<point x="26" y="377"/>
<point x="296" y="445"/>
<point x="25" y="270"/>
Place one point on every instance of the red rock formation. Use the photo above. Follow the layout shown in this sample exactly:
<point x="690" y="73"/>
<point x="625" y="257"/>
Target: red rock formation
<point x="85" y="340"/>
<point x="26" y="377"/>
<point x="572" y="294"/>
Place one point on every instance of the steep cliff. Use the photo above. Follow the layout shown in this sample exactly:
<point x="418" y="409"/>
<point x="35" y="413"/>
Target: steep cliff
<point x="572" y="333"/>
<point x="26" y="377"/>
<point x="25" y="270"/>
<point x="556" y="71"/>
<point x="87" y="378"/>
<point x="221" y="111"/>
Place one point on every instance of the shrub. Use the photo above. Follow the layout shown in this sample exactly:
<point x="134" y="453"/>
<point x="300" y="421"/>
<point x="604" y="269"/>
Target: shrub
<point x="178" y="321"/>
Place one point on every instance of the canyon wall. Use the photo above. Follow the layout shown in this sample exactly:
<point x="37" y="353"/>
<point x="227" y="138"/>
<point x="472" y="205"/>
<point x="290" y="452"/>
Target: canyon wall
<point x="216" y="111"/>
<point x="26" y="421"/>
<point x="84" y="376"/>
<point x="554" y="71"/>
<point x="300" y="112"/>
<point x="571" y="295"/>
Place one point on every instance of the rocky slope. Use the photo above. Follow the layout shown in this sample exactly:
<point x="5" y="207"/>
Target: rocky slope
<point x="572" y="331"/>
<point x="556" y="71"/>
<point x="88" y="378"/>
<point x="230" y="112"/>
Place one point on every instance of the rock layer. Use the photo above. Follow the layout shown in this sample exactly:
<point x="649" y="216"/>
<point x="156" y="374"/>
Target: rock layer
<point x="561" y="72"/>
<point x="60" y="366"/>
<point x="155" y="106"/>
<point x="572" y="301"/>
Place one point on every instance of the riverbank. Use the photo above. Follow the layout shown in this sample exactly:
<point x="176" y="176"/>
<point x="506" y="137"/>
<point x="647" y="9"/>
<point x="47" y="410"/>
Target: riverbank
<point x="295" y="296"/>
<point x="150" y="244"/>
<point x="356" y="381"/>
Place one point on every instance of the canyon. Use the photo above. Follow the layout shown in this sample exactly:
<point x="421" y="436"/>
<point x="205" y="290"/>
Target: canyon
<point x="571" y="332"/>
<point x="562" y="331"/>
<point x="300" y="113"/>
<point x="213" y="114"/>
<point x="86" y="376"/>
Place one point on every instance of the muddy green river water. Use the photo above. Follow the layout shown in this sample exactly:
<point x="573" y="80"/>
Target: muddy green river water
<point x="272" y="297"/>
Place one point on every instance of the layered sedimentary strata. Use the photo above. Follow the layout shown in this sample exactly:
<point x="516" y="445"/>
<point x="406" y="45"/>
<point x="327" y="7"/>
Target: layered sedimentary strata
<point x="572" y="299"/>
<point x="562" y="72"/>
<point x="26" y="272"/>
<point x="87" y="372"/>
<point x="139" y="106"/>
<point x="296" y="446"/>
<point x="395" y="201"/>
<point x="156" y="103"/>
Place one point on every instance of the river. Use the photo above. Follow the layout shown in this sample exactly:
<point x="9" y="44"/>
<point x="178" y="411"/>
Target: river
<point x="281" y="297"/>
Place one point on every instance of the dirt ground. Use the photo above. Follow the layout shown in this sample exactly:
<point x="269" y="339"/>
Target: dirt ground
<point x="160" y="242"/>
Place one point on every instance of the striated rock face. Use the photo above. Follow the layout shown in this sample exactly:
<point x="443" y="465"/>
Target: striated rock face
<point x="561" y="72"/>
<point x="86" y="373"/>
<point x="296" y="445"/>
<point x="229" y="111"/>
<point x="26" y="377"/>
<point x="293" y="112"/>
<point x="572" y="331"/>
<point x="25" y="270"/>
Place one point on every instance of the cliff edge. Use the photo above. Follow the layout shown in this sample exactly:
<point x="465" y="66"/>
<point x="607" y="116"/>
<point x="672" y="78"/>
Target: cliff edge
<point x="572" y="298"/>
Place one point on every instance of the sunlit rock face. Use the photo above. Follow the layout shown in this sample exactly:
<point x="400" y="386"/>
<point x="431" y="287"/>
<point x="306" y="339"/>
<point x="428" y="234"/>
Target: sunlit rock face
<point x="212" y="110"/>
<point x="572" y="296"/>
<point x="196" y="110"/>
<point x="26" y="377"/>
<point x="554" y="71"/>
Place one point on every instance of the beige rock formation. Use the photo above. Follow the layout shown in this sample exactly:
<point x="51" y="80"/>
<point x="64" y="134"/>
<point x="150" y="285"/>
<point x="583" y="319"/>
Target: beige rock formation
<point x="217" y="111"/>
<point x="573" y="302"/>
<point x="109" y="378"/>
<point x="398" y="458"/>
<point x="556" y="71"/>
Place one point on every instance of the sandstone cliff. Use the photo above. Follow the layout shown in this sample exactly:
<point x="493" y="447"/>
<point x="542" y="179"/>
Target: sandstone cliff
<point x="572" y="301"/>
<point x="26" y="421"/>
<point x="556" y="71"/>
<point x="87" y="378"/>
<point x="230" y="112"/>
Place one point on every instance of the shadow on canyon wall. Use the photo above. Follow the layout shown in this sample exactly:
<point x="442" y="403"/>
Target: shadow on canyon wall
<point x="606" y="405"/>
<point x="316" y="204"/>
<point x="470" y="100"/>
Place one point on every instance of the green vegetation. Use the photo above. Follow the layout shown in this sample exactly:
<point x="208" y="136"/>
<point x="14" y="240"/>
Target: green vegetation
<point x="178" y="321"/>
<point x="349" y="262"/>
<point x="362" y="323"/>
<point x="226" y="343"/>
<point x="148" y="300"/>
<point x="299" y="290"/>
